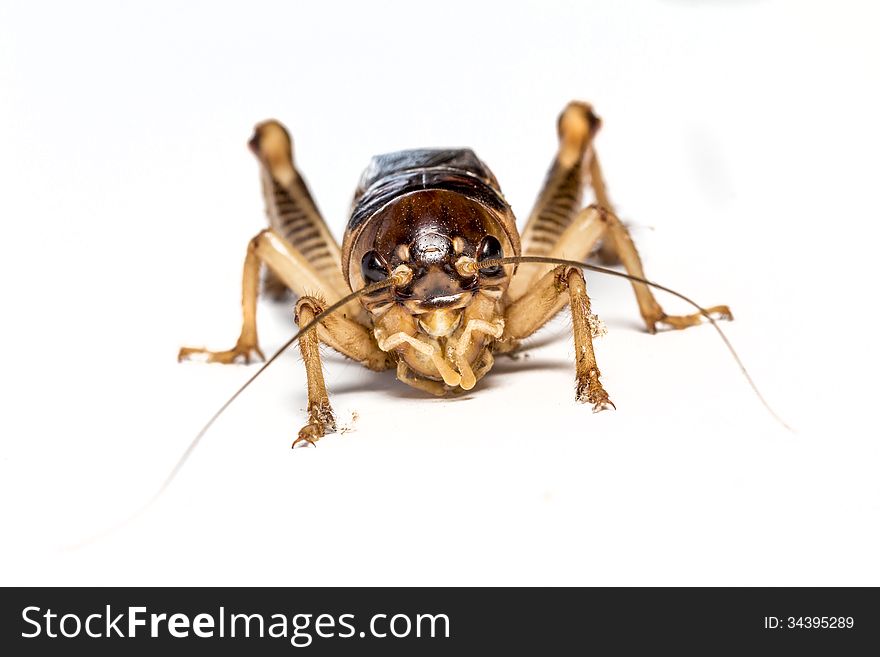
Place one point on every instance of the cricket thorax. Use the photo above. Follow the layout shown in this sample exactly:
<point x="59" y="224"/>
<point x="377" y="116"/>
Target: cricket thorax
<point x="443" y="313"/>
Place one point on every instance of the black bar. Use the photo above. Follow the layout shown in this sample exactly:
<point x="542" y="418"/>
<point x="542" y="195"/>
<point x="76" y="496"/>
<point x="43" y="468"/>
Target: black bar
<point x="524" y="620"/>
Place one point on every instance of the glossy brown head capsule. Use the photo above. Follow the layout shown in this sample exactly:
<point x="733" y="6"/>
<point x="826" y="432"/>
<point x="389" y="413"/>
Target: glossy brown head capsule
<point x="426" y="210"/>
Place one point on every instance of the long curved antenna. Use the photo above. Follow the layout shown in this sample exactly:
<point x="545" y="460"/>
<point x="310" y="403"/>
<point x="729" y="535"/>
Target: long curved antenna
<point x="512" y="260"/>
<point x="308" y="327"/>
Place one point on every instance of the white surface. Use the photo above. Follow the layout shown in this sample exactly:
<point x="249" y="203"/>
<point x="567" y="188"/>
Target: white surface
<point x="740" y="138"/>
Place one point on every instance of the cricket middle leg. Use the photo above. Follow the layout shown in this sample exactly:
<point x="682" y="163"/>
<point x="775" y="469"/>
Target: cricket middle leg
<point x="288" y="265"/>
<point x="651" y="311"/>
<point x="595" y="223"/>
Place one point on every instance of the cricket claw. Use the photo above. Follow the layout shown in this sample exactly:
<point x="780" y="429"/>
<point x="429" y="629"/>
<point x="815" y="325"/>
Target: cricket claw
<point x="241" y="352"/>
<point x="592" y="392"/>
<point x="679" y="322"/>
<point x="313" y="431"/>
<point x="303" y="441"/>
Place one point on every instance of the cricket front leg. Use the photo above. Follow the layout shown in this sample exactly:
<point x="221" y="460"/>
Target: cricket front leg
<point x="348" y="337"/>
<point x="561" y="286"/>
<point x="321" y="418"/>
<point x="585" y="325"/>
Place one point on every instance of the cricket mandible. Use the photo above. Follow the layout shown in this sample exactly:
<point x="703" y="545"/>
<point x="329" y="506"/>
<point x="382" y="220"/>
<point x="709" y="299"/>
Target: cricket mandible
<point x="428" y="280"/>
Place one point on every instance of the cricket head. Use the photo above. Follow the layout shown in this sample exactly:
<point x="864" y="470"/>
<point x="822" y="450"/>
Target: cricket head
<point x="432" y="242"/>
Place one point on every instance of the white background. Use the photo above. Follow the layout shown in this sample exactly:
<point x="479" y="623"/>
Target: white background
<point x="739" y="138"/>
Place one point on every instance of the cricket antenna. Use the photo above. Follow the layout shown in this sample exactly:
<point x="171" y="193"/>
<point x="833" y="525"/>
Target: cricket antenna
<point x="394" y="279"/>
<point x="369" y="289"/>
<point x="513" y="260"/>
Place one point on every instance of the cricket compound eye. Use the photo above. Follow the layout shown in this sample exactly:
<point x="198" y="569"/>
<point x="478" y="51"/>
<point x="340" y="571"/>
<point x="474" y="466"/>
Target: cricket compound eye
<point x="490" y="248"/>
<point x="374" y="268"/>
